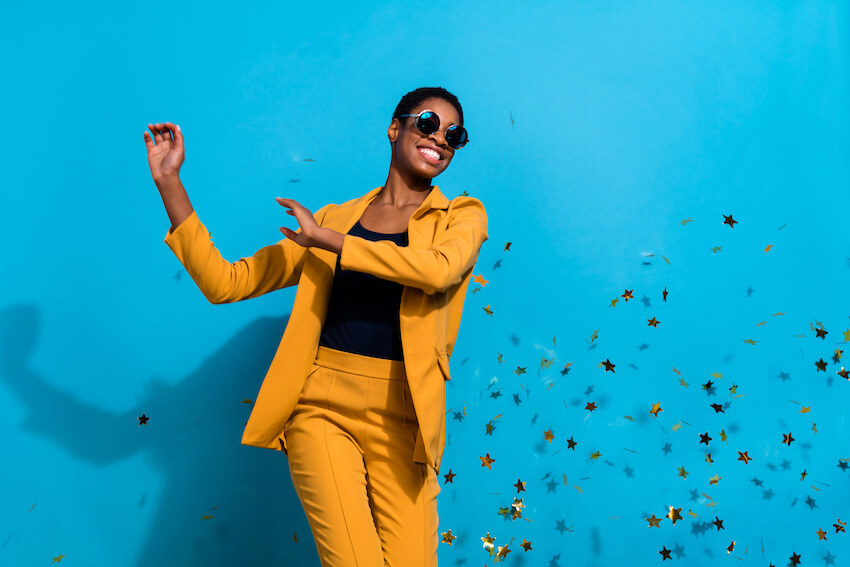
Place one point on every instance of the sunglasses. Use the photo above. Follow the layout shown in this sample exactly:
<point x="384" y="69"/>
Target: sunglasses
<point x="428" y="122"/>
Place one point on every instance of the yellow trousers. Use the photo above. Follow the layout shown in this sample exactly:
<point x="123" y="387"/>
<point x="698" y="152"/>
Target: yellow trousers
<point x="350" y="446"/>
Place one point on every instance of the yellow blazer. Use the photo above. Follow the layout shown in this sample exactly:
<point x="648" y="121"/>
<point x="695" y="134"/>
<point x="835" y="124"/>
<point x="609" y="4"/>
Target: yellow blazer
<point x="435" y="268"/>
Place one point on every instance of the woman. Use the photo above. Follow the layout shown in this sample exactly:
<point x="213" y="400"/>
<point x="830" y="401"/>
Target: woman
<point x="355" y="394"/>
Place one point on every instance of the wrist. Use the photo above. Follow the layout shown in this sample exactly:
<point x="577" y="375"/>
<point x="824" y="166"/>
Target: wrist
<point x="328" y="239"/>
<point x="167" y="182"/>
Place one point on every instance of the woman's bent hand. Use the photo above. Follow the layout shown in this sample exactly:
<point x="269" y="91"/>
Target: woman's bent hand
<point x="308" y="224"/>
<point x="166" y="156"/>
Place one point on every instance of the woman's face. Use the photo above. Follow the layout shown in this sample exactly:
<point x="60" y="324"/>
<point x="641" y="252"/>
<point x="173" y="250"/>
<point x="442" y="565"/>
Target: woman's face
<point x="409" y="141"/>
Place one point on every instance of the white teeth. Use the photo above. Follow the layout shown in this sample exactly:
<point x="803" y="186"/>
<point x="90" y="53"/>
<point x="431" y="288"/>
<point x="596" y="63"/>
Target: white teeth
<point x="430" y="152"/>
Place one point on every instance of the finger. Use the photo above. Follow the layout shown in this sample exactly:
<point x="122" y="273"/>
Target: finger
<point x="157" y="134"/>
<point x="171" y="130"/>
<point x="175" y="131"/>
<point x="166" y="133"/>
<point x="148" y="141"/>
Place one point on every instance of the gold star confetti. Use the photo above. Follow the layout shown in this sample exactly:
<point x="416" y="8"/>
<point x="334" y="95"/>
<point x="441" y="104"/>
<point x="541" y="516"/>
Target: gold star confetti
<point x="656" y="407"/>
<point x="715" y="479"/>
<point x="488" y="541"/>
<point x="674" y="514"/>
<point x="486" y="461"/>
<point x="682" y="472"/>
<point x="448" y="537"/>
<point x="487" y="310"/>
<point x="821" y="534"/>
<point x="654" y="522"/>
<point x="548" y="435"/>
<point x="479" y="279"/>
<point x="744" y="457"/>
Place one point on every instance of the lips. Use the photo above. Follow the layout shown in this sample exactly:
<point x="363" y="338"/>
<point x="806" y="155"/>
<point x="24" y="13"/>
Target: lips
<point x="430" y="159"/>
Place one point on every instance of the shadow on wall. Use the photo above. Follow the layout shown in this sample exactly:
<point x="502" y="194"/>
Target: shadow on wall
<point x="193" y="438"/>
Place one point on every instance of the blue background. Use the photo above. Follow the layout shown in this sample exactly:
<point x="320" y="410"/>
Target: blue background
<point x="596" y="128"/>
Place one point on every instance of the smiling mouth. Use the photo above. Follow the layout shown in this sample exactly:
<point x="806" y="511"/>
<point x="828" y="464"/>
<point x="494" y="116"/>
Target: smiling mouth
<point x="429" y="157"/>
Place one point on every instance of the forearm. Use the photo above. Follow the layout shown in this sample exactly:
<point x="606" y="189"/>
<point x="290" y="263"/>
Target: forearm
<point x="329" y="239"/>
<point x="175" y="199"/>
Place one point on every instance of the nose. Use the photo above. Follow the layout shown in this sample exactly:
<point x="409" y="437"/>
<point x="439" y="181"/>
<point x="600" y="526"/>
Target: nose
<point x="441" y="140"/>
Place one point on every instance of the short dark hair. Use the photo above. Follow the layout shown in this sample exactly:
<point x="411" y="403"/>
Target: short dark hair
<point x="412" y="99"/>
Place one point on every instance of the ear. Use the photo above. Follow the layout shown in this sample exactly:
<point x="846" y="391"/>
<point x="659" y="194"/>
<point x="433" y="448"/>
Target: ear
<point x="394" y="130"/>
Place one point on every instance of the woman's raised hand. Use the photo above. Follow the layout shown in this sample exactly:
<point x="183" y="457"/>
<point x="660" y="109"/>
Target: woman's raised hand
<point x="166" y="156"/>
<point x="309" y="226"/>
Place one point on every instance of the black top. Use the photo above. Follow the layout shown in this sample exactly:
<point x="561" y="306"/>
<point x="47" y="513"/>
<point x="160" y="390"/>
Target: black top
<point x="363" y="309"/>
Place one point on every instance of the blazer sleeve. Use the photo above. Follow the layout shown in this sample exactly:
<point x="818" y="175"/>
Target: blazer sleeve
<point x="435" y="269"/>
<point x="270" y="268"/>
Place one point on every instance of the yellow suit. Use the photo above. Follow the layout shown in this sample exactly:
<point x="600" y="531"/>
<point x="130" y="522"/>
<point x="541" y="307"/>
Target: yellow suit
<point x="444" y="238"/>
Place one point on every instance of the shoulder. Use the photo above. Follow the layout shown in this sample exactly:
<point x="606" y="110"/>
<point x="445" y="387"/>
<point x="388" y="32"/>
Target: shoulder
<point x="465" y="205"/>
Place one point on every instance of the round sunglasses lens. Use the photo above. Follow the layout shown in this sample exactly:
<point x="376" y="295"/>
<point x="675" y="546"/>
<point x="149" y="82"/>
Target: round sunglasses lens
<point x="428" y="123"/>
<point x="456" y="136"/>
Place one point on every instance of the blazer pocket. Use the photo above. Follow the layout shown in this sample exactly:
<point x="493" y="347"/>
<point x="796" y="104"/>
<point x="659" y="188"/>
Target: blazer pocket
<point x="443" y="363"/>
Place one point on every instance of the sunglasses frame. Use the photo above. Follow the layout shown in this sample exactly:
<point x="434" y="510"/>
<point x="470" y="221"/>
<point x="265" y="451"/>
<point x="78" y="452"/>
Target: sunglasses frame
<point x="416" y="122"/>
